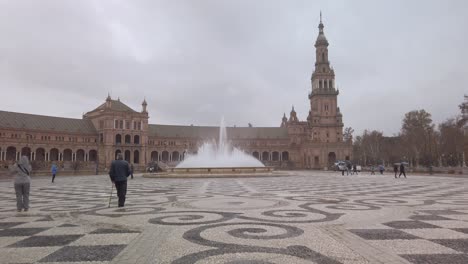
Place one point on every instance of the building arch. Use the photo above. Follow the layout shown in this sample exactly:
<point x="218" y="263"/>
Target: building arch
<point x="11" y="153"/>
<point x="118" y="139"/>
<point x="175" y="156"/>
<point x="26" y="151"/>
<point x="256" y="155"/>
<point x="136" y="157"/>
<point x="40" y="154"/>
<point x="265" y="156"/>
<point x="331" y="158"/>
<point x="127" y="155"/>
<point x="136" y="139"/>
<point x="67" y="155"/>
<point x="128" y="139"/>
<point x="285" y="156"/>
<point x="54" y="154"/>
<point x="80" y="155"/>
<point x="154" y="156"/>
<point x="118" y="151"/>
<point x="165" y="156"/>
<point x="92" y="155"/>
<point x="275" y="156"/>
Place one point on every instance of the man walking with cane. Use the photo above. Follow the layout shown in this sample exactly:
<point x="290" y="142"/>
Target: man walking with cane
<point x="118" y="173"/>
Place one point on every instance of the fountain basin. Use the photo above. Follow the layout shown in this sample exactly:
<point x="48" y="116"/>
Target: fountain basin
<point x="214" y="172"/>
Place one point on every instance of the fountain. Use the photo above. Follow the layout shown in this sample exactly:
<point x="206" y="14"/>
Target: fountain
<point x="218" y="159"/>
<point x="220" y="155"/>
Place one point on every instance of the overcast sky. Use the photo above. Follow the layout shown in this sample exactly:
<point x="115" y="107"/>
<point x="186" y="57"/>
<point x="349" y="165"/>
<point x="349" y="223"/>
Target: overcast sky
<point x="249" y="60"/>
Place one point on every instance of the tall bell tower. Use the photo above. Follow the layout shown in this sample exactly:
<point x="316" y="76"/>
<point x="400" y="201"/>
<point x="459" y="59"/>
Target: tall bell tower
<point x="325" y="117"/>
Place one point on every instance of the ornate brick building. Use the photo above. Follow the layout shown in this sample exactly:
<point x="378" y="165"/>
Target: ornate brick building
<point x="90" y="143"/>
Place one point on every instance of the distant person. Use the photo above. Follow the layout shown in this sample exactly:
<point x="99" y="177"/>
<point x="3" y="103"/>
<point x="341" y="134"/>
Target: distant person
<point x="402" y="170"/>
<point x="131" y="170"/>
<point x="348" y="169"/>
<point x="355" y="169"/>
<point x="381" y="169"/>
<point x="395" y="169"/>
<point x="54" y="171"/>
<point x="372" y="170"/>
<point x="119" y="171"/>
<point x="22" y="170"/>
<point x="342" y="168"/>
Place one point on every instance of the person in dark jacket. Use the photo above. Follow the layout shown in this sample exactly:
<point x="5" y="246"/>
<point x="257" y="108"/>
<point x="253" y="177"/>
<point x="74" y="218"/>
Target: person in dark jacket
<point x="131" y="170"/>
<point x="119" y="171"/>
<point x="355" y="169"/>
<point x="349" y="167"/>
<point x="395" y="169"/>
<point x="402" y="170"/>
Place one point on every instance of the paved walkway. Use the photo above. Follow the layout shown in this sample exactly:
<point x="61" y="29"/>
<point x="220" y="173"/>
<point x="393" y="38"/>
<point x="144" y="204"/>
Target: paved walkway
<point x="308" y="217"/>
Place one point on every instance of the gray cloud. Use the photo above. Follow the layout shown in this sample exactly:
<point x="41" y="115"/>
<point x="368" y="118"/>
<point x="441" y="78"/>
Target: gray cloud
<point x="247" y="60"/>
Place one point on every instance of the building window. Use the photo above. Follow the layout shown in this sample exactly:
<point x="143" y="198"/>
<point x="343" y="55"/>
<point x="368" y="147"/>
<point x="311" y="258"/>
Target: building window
<point x="127" y="124"/>
<point x="139" y="125"/>
<point x="116" y="124"/>
<point x="121" y="124"/>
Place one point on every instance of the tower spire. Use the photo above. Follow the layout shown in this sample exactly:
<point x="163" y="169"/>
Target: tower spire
<point x="321" y="24"/>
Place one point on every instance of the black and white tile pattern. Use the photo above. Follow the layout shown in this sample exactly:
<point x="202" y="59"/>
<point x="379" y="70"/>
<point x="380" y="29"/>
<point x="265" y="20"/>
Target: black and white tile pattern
<point x="233" y="220"/>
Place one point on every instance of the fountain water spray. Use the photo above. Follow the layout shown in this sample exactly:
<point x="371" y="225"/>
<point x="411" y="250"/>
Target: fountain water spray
<point x="219" y="155"/>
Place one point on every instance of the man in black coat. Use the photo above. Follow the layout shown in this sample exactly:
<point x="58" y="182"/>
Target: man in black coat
<point x="402" y="170"/>
<point x="118" y="173"/>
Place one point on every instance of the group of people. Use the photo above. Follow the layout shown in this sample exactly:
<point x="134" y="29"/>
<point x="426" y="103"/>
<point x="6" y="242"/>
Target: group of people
<point x="349" y="168"/>
<point x="402" y="170"/>
<point x="120" y="170"/>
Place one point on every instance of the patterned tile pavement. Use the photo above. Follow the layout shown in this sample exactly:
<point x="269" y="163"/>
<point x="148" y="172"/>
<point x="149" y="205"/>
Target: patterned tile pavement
<point x="307" y="217"/>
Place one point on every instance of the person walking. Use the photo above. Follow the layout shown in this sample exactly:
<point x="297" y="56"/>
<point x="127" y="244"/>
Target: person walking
<point x="355" y="169"/>
<point x="131" y="170"/>
<point x="395" y="169"/>
<point x="348" y="169"/>
<point x="119" y="171"/>
<point x="22" y="182"/>
<point x="372" y="170"/>
<point x="402" y="170"/>
<point x="381" y="168"/>
<point x="54" y="171"/>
